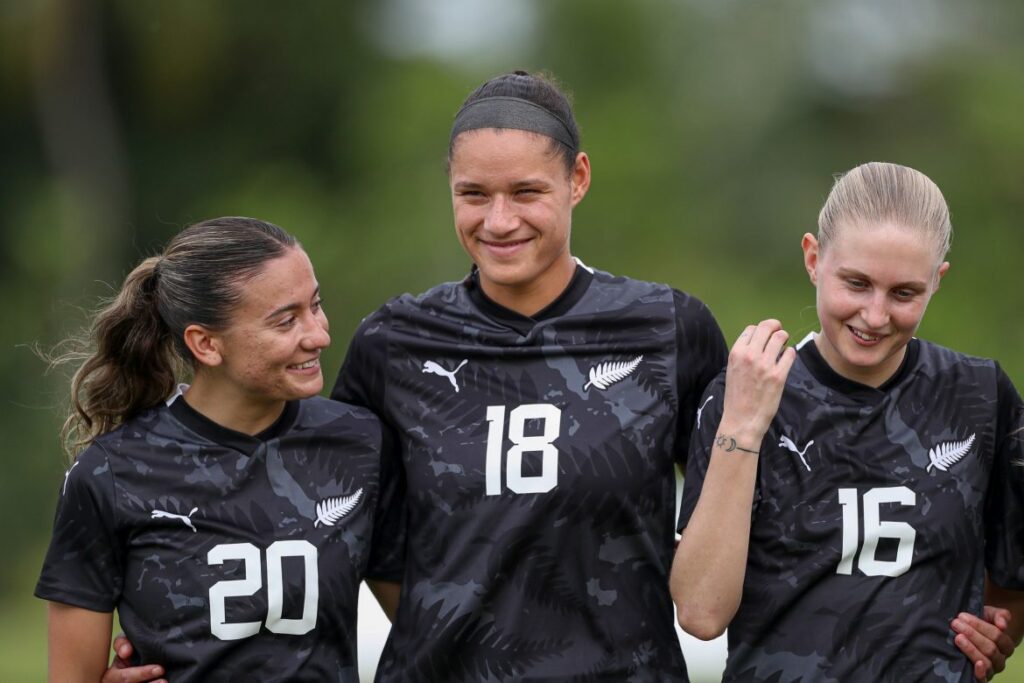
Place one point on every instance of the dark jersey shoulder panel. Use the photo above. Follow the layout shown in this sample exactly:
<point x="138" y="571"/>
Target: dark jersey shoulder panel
<point x="224" y="553"/>
<point x="875" y="517"/>
<point x="538" y="455"/>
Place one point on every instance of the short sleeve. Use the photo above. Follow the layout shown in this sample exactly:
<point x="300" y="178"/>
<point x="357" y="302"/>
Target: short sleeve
<point x="701" y="355"/>
<point x="84" y="563"/>
<point x="709" y="414"/>
<point x="362" y="380"/>
<point x="1004" y="504"/>
<point x="387" y="549"/>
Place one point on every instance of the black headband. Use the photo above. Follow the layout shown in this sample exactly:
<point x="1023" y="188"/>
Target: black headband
<point x="512" y="112"/>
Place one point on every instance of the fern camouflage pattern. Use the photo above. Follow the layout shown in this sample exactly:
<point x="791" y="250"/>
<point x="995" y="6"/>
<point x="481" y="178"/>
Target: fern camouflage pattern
<point x="212" y="546"/>
<point x="540" y="509"/>
<point x="860" y="559"/>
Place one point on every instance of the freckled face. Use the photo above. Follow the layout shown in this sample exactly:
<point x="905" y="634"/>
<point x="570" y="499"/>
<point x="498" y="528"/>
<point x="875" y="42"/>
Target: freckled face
<point x="271" y="347"/>
<point x="513" y="198"/>
<point x="874" y="283"/>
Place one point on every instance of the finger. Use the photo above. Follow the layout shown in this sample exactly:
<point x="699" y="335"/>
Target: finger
<point x="776" y="342"/>
<point x="135" y="674"/>
<point x="982" y="626"/>
<point x="980" y="662"/>
<point x="763" y="332"/>
<point x="985" y="639"/>
<point x="122" y="647"/>
<point x="997" y="615"/>
<point x="746" y="335"/>
<point x="1002" y="645"/>
<point x="786" y="360"/>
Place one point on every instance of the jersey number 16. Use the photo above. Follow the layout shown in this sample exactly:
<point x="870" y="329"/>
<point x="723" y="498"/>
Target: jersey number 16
<point x="875" y="530"/>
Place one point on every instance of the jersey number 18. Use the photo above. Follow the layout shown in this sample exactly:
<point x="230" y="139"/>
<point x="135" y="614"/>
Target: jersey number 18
<point x="543" y="443"/>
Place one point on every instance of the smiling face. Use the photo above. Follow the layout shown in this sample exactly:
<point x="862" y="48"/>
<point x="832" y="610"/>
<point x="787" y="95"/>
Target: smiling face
<point x="513" y="198"/>
<point x="270" y="350"/>
<point x="874" y="284"/>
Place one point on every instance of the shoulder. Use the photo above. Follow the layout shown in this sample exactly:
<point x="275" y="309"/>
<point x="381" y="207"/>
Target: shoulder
<point x="627" y="288"/>
<point x="684" y="307"/>
<point x="153" y="426"/>
<point x="328" y="417"/>
<point x="939" y="360"/>
<point x="447" y="296"/>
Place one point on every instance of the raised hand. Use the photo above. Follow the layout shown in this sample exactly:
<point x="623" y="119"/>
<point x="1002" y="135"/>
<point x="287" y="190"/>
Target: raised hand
<point x="754" y="379"/>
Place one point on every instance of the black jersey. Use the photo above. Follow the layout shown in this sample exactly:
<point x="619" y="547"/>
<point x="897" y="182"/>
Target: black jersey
<point x="875" y="516"/>
<point x="539" y="455"/>
<point x="227" y="556"/>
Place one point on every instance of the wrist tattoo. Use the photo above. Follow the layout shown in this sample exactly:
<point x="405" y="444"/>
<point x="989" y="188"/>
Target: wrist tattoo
<point x="728" y="444"/>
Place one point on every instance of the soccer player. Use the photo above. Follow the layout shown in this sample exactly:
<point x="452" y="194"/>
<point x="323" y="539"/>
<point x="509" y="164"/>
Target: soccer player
<point x="229" y="525"/>
<point x="541" y="406"/>
<point x="842" y="521"/>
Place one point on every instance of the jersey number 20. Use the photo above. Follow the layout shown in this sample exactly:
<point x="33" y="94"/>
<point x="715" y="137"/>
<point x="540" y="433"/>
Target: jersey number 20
<point x="875" y="530"/>
<point x="252" y="582"/>
<point x="551" y="417"/>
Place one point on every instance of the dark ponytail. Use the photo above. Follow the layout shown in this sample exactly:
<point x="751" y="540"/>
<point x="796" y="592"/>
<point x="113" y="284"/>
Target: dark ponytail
<point x="138" y="350"/>
<point x="133" y="366"/>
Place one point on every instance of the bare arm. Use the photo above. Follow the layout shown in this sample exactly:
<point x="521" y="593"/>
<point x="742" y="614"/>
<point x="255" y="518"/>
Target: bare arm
<point x="78" y="641"/>
<point x="710" y="562"/>
<point x="387" y="594"/>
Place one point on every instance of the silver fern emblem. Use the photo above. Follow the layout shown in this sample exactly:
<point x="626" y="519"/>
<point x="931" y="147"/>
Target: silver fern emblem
<point x="330" y="510"/>
<point x="945" y="455"/>
<point x="603" y="375"/>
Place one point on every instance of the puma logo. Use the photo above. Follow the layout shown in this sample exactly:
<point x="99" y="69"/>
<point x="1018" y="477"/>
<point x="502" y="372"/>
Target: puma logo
<point x="66" y="475"/>
<point x="788" y="444"/>
<point x="701" y="409"/>
<point x="186" y="520"/>
<point x="434" y="369"/>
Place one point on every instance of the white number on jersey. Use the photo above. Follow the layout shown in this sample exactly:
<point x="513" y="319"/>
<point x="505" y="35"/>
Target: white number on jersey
<point x="252" y="582"/>
<point x="543" y="443"/>
<point x="874" y="531"/>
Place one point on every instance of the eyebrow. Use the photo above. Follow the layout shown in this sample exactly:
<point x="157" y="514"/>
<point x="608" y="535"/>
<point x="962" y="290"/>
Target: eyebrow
<point x="527" y="182"/>
<point x="289" y="307"/>
<point x="909" y="284"/>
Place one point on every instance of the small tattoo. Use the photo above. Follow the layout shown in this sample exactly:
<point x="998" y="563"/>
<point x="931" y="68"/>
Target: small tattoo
<point x="728" y="444"/>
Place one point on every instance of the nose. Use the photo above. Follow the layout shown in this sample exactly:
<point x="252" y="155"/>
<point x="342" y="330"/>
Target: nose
<point x="316" y="336"/>
<point x="876" y="312"/>
<point x="501" y="216"/>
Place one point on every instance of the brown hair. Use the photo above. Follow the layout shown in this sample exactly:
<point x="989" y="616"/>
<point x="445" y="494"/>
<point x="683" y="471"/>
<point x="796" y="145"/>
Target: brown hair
<point x="135" y="351"/>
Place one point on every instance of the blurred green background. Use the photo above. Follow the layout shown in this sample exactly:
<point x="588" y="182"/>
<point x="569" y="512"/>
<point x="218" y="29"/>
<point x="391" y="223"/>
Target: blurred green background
<point x="714" y="128"/>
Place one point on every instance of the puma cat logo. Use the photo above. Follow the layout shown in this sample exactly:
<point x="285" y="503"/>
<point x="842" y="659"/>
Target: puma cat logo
<point x="788" y="444"/>
<point x="435" y="369"/>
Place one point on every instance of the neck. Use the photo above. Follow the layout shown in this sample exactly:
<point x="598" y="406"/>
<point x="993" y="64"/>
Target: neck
<point x="533" y="297"/>
<point x="228" y="408"/>
<point x="873" y="376"/>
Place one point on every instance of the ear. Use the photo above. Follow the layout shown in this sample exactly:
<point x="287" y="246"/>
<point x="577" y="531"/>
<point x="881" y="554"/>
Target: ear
<point x="204" y="344"/>
<point x="809" y="244"/>
<point x="580" y="178"/>
<point x="941" y="273"/>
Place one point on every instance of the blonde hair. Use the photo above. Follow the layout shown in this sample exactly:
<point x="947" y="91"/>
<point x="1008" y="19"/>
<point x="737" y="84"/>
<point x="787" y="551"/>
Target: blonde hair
<point x="878" y="192"/>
